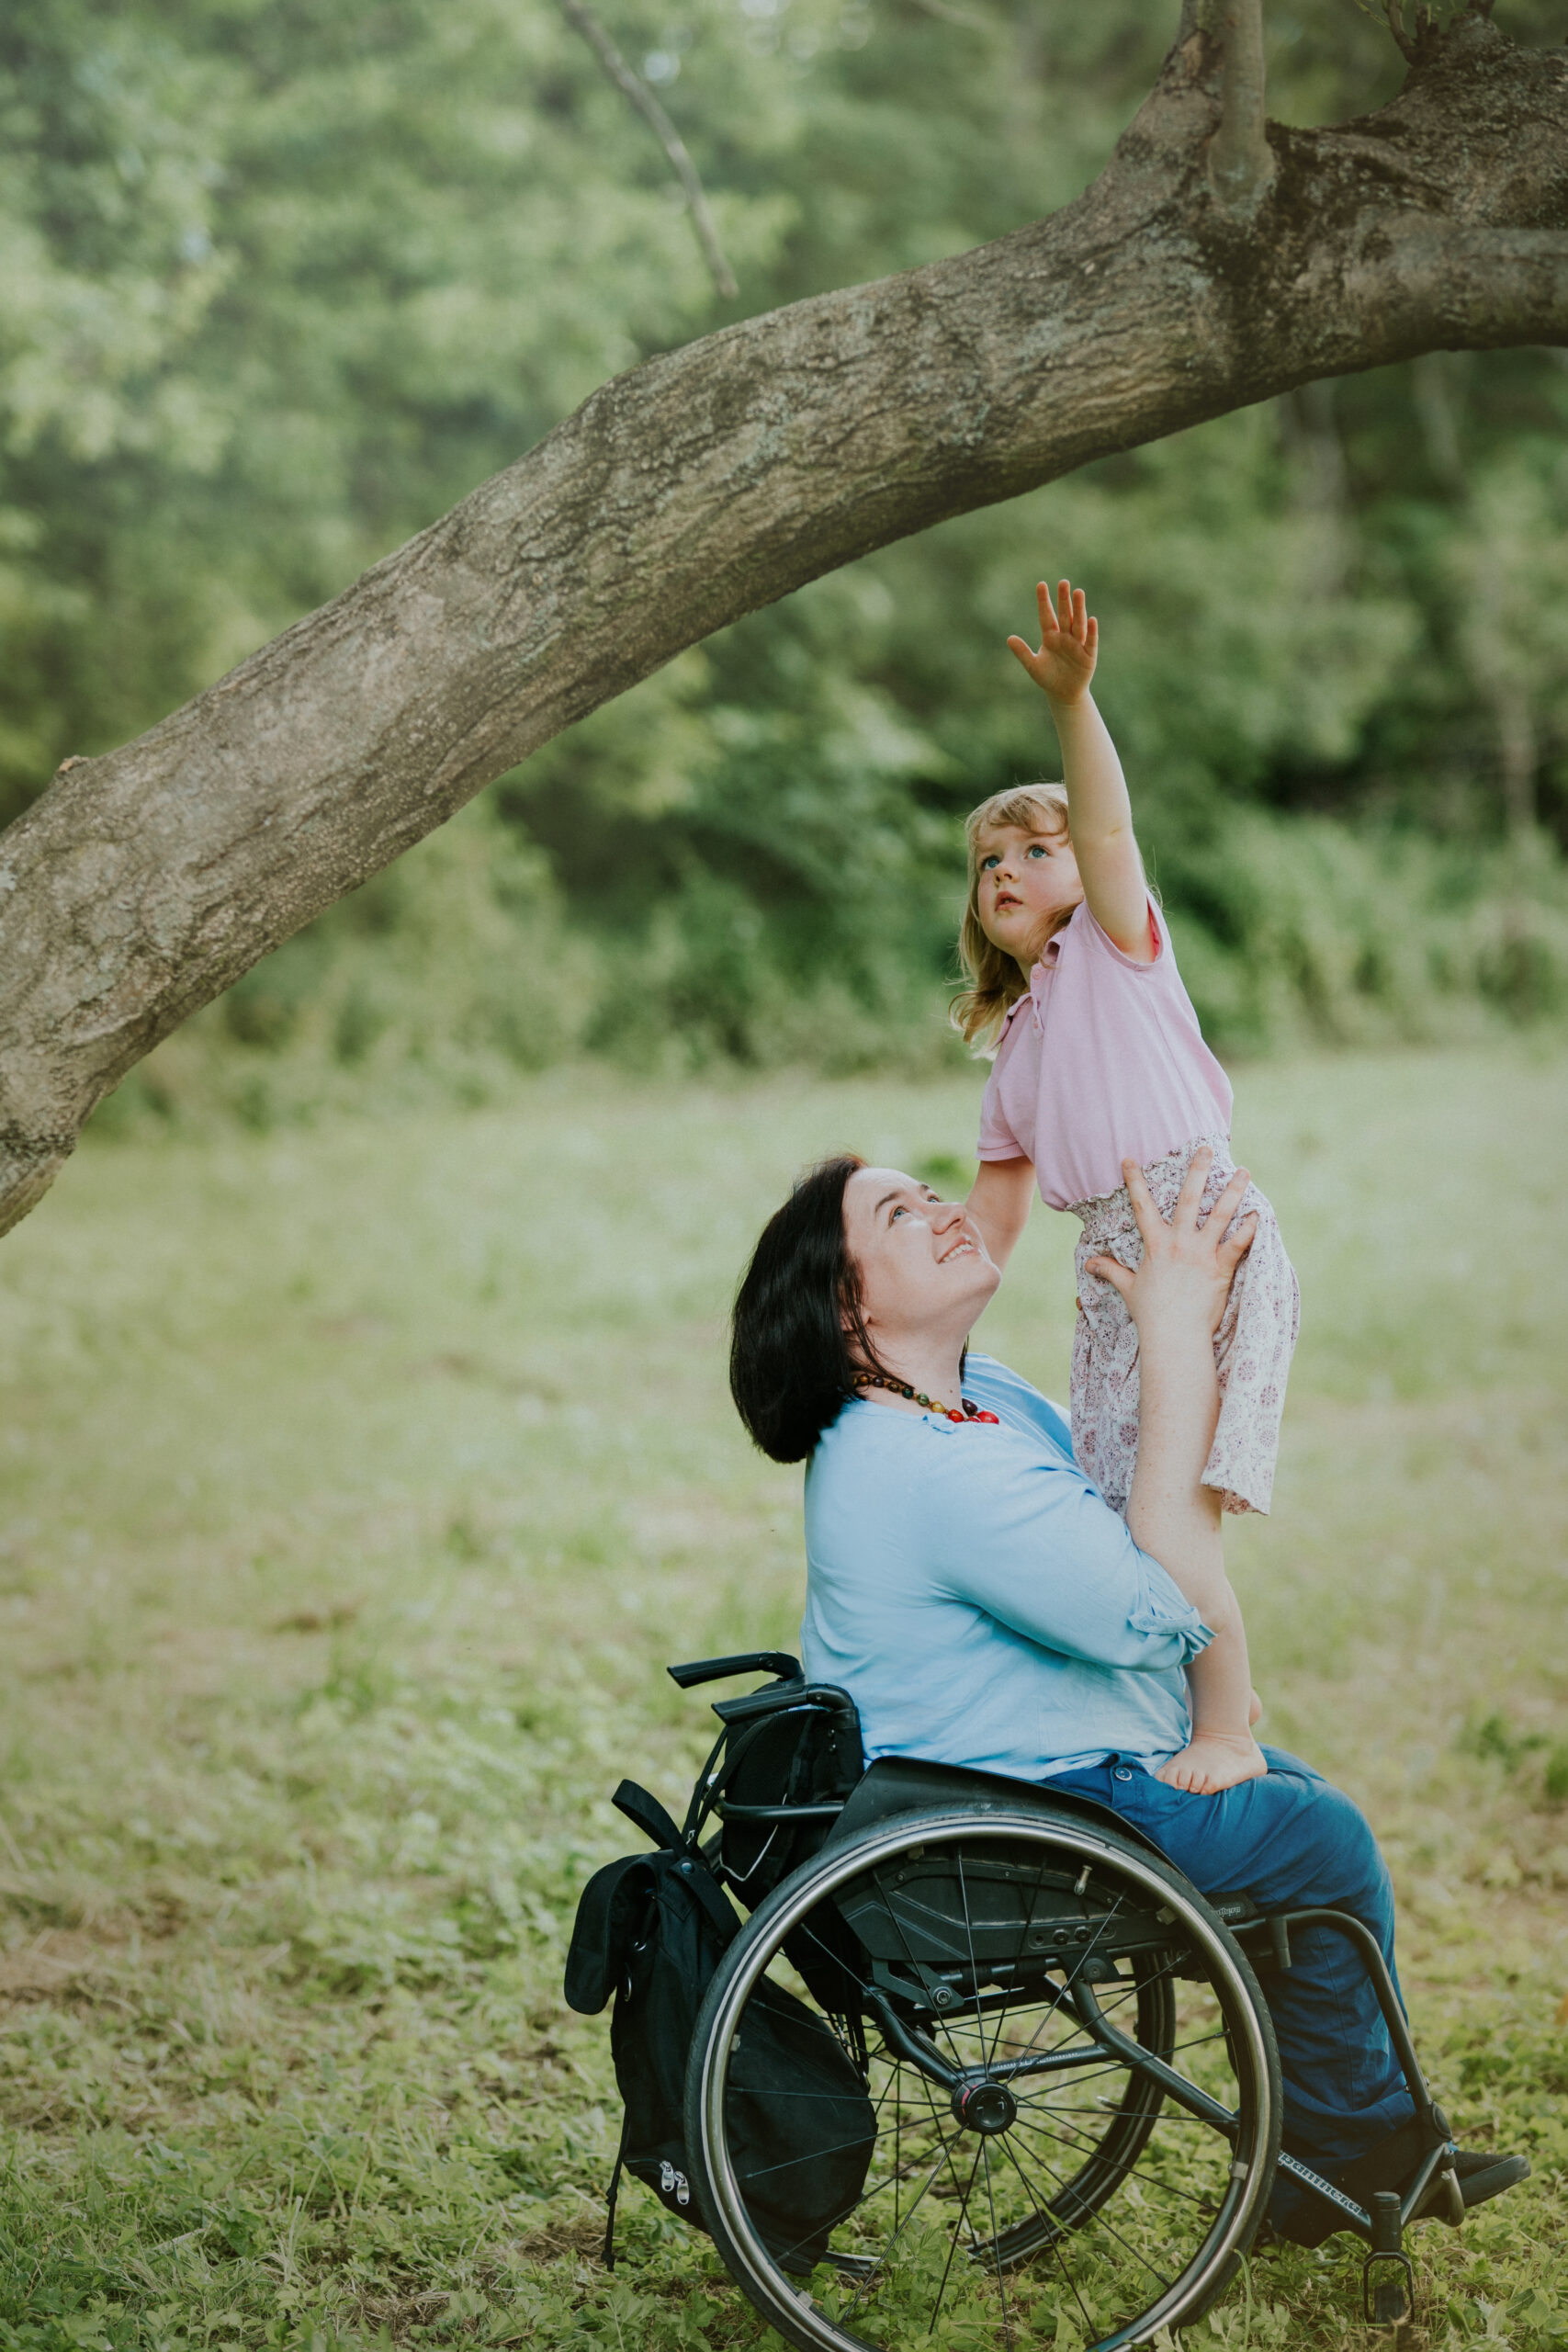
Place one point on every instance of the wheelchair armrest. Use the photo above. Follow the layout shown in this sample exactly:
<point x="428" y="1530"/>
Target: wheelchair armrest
<point x="715" y="1669"/>
<point x="798" y="1697"/>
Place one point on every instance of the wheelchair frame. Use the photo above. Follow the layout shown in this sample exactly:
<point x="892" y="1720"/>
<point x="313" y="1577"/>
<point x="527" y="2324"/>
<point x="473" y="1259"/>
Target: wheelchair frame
<point x="1388" y="2277"/>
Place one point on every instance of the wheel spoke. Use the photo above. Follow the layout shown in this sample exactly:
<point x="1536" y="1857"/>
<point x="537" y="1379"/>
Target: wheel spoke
<point x="996" y="2242"/>
<point x="897" y="2155"/>
<point x="1042" y="2099"/>
<point x="1091" y="2142"/>
<point x="952" y="2244"/>
<point x="1024" y="1940"/>
<point x="1054" y="2240"/>
<point x="1142" y="2259"/>
<point x="1197" y="2041"/>
<point x="969" y="1940"/>
<point x="1108" y="2114"/>
<point x="760" y="2172"/>
<point x="1134" y="2172"/>
<point x="1052" y="2011"/>
<point x="946" y="2143"/>
<point x="859" y="2198"/>
<point x="937" y="2126"/>
<point x="881" y="2261"/>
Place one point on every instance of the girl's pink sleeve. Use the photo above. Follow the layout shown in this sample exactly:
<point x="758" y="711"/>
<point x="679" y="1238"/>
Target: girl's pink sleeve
<point x="998" y="1140"/>
<point x="1096" y="936"/>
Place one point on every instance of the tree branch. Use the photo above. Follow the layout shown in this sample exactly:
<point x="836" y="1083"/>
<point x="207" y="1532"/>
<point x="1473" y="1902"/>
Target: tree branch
<point x="1476" y="289"/>
<point x="581" y="18"/>
<point x="715" y="479"/>
<point x="1240" y="161"/>
<point x="1395" y="15"/>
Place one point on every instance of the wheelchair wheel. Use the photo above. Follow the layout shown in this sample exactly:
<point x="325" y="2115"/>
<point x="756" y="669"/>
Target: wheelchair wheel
<point x="1066" y="2110"/>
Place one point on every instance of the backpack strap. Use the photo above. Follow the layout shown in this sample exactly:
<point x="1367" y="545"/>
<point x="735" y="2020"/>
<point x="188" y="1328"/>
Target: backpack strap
<point x="654" y="1822"/>
<point x="648" y="1814"/>
<point x="696" y="1874"/>
<point x="614" y="2193"/>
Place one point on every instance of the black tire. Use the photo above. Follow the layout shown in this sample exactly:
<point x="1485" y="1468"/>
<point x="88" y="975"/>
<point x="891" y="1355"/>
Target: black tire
<point x="993" y="1940"/>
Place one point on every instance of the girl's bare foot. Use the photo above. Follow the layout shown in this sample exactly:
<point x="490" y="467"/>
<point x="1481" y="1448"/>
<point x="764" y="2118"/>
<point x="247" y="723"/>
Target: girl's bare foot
<point x="1211" y="1761"/>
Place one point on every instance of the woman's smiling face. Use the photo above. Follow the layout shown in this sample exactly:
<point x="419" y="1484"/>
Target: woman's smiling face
<point x="1026" y="883"/>
<point x="925" y="1273"/>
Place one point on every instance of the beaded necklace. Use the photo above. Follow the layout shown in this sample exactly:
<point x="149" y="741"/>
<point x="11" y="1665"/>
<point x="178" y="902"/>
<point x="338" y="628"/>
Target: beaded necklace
<point x="918" y="1397"/>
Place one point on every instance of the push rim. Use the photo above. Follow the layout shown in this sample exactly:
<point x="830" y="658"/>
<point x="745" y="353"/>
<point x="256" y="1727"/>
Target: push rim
<point x="1073" y="2193"/>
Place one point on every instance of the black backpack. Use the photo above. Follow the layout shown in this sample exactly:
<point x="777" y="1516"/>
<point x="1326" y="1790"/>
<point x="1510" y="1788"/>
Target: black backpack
<point x="652" y="1929"/>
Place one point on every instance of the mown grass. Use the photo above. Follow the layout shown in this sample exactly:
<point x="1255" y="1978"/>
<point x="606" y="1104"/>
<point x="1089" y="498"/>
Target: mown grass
<point x="360" y="1481"/>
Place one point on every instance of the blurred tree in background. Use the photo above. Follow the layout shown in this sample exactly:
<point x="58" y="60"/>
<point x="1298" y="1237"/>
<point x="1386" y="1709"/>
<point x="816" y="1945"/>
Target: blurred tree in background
<point x="279" y="283"/>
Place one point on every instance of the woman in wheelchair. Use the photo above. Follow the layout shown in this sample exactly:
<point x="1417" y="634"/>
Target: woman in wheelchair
<point x="1002" y="1963"/>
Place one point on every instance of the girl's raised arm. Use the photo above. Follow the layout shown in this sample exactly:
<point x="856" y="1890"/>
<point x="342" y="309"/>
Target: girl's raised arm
<point x="999" y="1202"/>
<point x="1100" y="814"/>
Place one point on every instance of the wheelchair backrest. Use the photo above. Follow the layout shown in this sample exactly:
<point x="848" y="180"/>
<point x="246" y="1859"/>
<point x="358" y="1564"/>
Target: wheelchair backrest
<point x="786" y="1759"/>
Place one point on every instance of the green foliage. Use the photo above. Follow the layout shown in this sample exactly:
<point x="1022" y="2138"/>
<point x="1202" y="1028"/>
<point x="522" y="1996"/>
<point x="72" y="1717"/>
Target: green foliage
<point x="1493" y="1738"/>
<point x="277" y="286"/>
<point x="285" y="283"/>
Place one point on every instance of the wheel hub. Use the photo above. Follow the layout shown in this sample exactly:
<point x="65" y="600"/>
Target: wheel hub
<point x="985" y="2106"/>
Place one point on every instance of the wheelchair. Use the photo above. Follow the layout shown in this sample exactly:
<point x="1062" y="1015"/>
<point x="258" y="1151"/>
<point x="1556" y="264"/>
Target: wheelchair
<point x="1064" y="2111"/>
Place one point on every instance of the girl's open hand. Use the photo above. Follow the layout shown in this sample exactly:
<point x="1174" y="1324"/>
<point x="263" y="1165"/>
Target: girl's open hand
<point x="1069" y="644"/>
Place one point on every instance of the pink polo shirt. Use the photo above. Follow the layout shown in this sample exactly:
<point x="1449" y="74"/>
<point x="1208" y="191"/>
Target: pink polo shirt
<point x="1102" y="1061"/>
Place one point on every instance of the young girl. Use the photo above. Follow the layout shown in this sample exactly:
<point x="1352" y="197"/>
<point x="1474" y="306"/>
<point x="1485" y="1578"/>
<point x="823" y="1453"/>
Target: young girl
<point x="1099" y="1059"/>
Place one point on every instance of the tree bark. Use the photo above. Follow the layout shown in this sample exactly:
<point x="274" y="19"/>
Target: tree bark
<point x="715" y="479"/>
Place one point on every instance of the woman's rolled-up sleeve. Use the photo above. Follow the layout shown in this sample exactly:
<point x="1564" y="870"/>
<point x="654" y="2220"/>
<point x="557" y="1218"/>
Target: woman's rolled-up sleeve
<point x="1038" y="1548"/>
<point x="1163" y="1611"/>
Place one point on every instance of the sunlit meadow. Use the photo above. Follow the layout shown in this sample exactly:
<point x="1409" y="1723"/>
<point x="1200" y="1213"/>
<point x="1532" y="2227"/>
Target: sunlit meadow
<point x="360" y="1480"/>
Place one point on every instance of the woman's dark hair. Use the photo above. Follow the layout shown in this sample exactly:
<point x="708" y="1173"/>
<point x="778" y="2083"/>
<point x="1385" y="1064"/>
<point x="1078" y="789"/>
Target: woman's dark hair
<point x="798" y="1338"/>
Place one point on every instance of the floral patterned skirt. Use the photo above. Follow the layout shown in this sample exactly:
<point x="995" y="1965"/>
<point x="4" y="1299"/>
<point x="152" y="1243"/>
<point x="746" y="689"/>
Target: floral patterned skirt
<point x="1252" y="1346"/>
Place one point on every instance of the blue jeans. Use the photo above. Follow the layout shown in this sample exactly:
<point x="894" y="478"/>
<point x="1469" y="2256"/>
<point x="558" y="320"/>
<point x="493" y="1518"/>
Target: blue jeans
<point x="1289" y="1841"/>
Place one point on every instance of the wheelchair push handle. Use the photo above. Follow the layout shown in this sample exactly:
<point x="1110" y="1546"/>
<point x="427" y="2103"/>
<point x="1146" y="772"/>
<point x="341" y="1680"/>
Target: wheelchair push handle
<point x="715" y="1669"/>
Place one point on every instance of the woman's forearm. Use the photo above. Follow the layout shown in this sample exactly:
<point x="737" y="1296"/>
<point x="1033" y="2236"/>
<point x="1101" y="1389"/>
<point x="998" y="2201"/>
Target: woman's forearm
<point x="1173" y="1516"/>
<point x="1170" y="1513"/>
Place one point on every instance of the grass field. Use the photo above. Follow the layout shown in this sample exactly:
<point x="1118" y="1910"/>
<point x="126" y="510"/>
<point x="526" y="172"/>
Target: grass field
<point x="359" y="1482"/>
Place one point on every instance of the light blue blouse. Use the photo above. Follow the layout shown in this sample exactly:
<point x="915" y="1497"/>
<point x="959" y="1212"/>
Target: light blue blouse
<point x="979" y="1601"/>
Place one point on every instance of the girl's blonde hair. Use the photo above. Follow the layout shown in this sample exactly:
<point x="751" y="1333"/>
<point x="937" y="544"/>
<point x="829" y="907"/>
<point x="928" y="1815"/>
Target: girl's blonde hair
<point x="995" y="980"/>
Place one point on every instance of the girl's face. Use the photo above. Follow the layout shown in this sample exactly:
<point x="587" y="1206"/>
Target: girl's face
<point x="1028" y="884"/>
